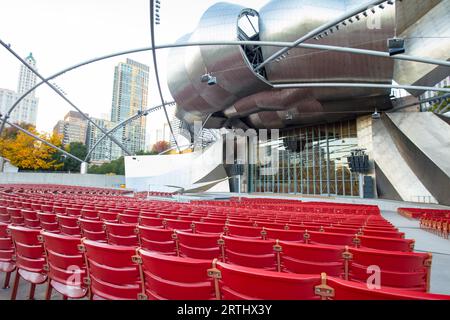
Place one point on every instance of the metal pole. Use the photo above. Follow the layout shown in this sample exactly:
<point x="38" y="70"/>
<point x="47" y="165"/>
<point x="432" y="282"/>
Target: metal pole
<point x="361" y="185"/>
<point x="43" y="141"/>
<point x="319" y="30"/>
<point x="60" y="94"/>
<point x="155" y="64"/>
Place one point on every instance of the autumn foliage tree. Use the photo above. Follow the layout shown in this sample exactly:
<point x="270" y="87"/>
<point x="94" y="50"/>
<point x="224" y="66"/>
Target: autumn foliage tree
<point x="27" y="153"/>
<point x="160" y="146"/>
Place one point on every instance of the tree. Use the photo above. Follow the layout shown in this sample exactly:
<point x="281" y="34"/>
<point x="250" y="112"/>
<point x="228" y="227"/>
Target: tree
<point x="77" y="149"/>
<point x="26" y="153"/>
<point x="160" y="146"/>
<point x="113" y="167"/>
<point x="440" y="105"/>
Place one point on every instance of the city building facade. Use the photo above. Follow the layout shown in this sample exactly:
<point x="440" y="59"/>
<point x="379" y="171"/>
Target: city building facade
<point x="73" y="128"/>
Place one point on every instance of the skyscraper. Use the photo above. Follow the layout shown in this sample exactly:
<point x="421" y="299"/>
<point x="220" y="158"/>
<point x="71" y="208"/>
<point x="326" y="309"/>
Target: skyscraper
<point x="106" y="150"/>
<point x="130" y="94"/>
<point x="26" y="111"/>
<point x="73" y="128"/>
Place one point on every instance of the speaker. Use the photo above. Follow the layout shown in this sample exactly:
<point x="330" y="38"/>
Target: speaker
<point x="396" y="46"/>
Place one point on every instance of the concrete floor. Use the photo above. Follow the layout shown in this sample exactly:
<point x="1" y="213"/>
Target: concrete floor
<point x="425" y="242"/>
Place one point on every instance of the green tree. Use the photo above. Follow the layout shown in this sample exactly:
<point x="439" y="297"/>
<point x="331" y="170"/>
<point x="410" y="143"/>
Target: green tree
<point x="441" y="105"/>
<point x="77" y="149"/>
<point x="113" y="167"/>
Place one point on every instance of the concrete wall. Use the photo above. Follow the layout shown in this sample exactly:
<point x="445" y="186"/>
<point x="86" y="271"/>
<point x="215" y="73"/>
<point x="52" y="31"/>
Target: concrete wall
<point x="83" y="180"/>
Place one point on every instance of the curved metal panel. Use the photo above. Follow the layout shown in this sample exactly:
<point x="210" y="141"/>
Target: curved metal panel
<point x="235" y="78"/>
<point x="287" y="20"/>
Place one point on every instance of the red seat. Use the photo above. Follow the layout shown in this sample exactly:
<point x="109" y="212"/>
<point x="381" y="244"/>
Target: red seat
<point x="4" y="215"/>
<point x="66" y="268"/>
<point x="387" y="243"/>
<point x="285" y="235"/>
<point x="107" y="216"/>
<point x="331" y="238"/>
<point x="198" y="246"/>
<point x="311" y="259"/>
<point x="348" y="290"/>
<point x="384" y="234"/>
<point x="31" y="219"/>
<point x="249" y="253"/>
<point x="175" y="278"/>
<point x="68" y="225"/>
<point x="16" y="216"/>
<point x="122" y="234"/>
<point x="93" y="230"/>
<point x="47" y="221"/>
<point x="208" y="228"/>
<point x="243" y="232"/>
<point x="405" y="270"/>
<point x="151" y="222"/>
<point x="89" y="214"/>
<point x="112" y="273"/>
<point x="127" y="219"/>
<point x="72" y="212"/>
<point x="158" y="240"/>
<point x="29" y="258"/>
<point x="243" y="283"/>
<point x="7" y="264"/>
<point x="177" y="225"/>
<point x="59" y="210"/>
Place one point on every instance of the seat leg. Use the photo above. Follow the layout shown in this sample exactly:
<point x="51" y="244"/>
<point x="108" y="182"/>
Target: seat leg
<point x="7" y="277"/>
<point x="15" y="286"/>
<point x="48" y="293"/>
<point x="32" y="290"/>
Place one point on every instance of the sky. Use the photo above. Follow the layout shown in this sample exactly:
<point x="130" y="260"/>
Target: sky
<point x="63" y="33"/>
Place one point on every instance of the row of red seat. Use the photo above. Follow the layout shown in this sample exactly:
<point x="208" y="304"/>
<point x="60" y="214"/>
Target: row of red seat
<point x="77" y="221"/>
<point x="310" y="256"/>
<point x="76" y="267"/>
<point x="436" y="221"/>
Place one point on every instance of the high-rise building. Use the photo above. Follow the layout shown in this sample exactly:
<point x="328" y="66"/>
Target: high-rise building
<point x="106" y="150"/>
<point x="26" y="111"/>
<point x="73" y="128"/>
<point x="130" y="95"/>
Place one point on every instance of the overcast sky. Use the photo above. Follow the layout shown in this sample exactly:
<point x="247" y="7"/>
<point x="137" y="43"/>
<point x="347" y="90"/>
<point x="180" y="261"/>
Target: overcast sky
<point x="63" y="33"/>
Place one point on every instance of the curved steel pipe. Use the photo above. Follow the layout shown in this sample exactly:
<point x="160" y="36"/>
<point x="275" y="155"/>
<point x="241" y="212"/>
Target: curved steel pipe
<point x="60" y="94"/>
<point x="405" y="57"/>
<point x="356" y="85"/>
<point x="28" y="133"/>
<point x="122" y="124"/>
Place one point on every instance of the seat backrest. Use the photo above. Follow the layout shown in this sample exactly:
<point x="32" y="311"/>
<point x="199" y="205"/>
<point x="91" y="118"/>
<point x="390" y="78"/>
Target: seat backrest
<point x="198" y="246"/>
<point x="244" y="231"/>
<point x="64" y="260"/>
<point x="158" y="240"/>
<point x="151" y="222"/>
<point x="285" y="235"/>
<point x="177" y="224"/>
<point x="392" y="244"/>
<point x="331" y="238"/>
<point x="408" y="270"/>
<point x="111" y="271"/>
<point x="122" y="234"/>
<point x="243" y="283"/>
<point x="29" y="250"/>
<point x="93" y="229"/>
<point x="209" y="228"/>
<point x="175" y="278"/>
<point x="249" y="252"/>
<point x="68" y="225"/>
<point x="127" y="219"/>
<point x="351" y="290"/>
<point x="311" y="259"/>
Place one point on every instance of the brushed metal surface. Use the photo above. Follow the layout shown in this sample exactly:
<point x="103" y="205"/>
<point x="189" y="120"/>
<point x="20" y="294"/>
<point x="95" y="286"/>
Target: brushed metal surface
<point x="247" y="99"/>
<point x="427" y="37"/>
<point x="389" y="159"/>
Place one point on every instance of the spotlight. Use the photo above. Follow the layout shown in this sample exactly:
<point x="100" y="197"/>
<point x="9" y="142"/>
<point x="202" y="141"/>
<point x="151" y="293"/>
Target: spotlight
<point x="376" y="115"/>
<point x="357" y="17"/>
<point x="350" y="20"/>
<point x="381" y="6"/>
<point x="205" y="77"/>
<point x="344" y="23"/>
<point x="396" y="46"/>
<point x="365" y="14"/>
<point x="212" y="81"/>
<point x="373" y="10"/>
